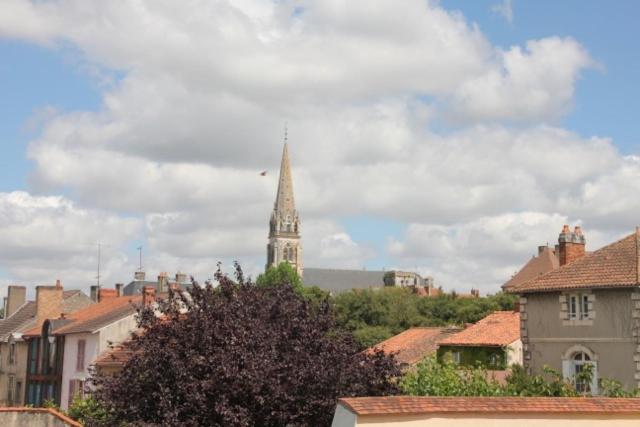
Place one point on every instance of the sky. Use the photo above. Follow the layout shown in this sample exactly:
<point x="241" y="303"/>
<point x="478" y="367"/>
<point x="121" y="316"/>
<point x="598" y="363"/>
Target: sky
<point x="449" y="138"/>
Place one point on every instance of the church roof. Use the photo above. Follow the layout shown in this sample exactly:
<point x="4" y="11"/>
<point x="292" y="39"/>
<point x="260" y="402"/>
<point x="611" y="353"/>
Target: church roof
<point x="337" y="281"/>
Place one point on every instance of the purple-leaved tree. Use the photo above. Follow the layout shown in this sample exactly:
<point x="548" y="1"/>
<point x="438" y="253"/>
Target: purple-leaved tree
<point x="241" y="355"/>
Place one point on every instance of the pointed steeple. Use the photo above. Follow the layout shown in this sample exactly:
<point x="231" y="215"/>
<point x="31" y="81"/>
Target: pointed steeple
<point x="285" y="204"/>
<point x="284" y="225"/>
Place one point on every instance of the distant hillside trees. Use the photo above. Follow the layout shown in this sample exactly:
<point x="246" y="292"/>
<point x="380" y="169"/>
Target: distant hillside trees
<point x="240" y="354"/>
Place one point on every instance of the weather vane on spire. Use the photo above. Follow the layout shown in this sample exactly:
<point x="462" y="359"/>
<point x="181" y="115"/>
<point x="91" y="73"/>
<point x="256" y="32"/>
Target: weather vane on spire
<point x="286" y="132"/>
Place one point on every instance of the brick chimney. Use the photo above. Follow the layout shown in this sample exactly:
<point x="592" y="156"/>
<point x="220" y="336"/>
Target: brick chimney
<point x="163" y="283"/>
<point x="148" y="295"/>
<point x="48" y="302"/>
<point x="181" y="277"/>
<point x="570" y="244"/>
<point x="94" y="294"/>
<point x="16" y="297"/>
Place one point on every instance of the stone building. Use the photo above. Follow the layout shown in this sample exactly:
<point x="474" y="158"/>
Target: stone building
<point x="585" y="312"/>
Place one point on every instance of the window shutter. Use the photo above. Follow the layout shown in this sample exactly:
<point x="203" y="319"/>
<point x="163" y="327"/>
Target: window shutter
<point x="80" y="356"/>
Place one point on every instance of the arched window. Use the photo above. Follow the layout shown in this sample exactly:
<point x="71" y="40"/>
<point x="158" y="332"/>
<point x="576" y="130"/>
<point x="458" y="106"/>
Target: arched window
<point x="574" y="367"/>
<point x="581" y="359"/>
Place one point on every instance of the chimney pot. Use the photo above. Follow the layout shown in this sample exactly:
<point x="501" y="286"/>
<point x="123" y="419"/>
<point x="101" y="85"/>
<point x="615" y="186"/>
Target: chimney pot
<point x="570" y="245"/>
<point x="94" y="294"/>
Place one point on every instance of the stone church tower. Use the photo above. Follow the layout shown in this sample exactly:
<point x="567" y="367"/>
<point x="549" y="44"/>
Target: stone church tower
<point x="284" y="226"/>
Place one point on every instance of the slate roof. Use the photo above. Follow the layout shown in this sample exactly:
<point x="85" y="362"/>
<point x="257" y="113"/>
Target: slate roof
<point x="414" y="344"/>
<point x="613" y="266"/>
<point x="543" y="263"/>
<point x="23" y="317"/>
<point x="95" y="316"/>
<point x="135" y="287"/>
<point x="500" y="328"/>
<point x="409" y="405"/>
<point x="337" y="281"/>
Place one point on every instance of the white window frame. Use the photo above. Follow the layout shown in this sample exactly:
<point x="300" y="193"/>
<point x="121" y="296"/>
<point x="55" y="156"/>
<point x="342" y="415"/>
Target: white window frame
<point x="576" y="309"/>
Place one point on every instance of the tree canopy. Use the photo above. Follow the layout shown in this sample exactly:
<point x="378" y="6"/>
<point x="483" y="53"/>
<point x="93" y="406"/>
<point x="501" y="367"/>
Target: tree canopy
<point x="376" y="314"/>
<point x="240" y="354"/>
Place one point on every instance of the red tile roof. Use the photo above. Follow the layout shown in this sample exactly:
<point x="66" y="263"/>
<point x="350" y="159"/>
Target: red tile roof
<point x="412" y="345"/>
<point x="409" y="405"/>
<point x="96" y="315"/>
<point x="613" y="266"/>
<point x="545" y="262"/>
<point x="500" y="328"/>
<point x="117" y="357"/>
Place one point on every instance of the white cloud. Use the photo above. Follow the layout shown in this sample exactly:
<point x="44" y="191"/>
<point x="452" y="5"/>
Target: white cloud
<point x="206" y="87"/>
<point x="49" y="238"/>
<point x="535" y="83"/>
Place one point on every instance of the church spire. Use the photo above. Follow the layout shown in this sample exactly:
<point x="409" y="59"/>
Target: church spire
<point x="285" y="204"/>
<point x="284" y="226"/>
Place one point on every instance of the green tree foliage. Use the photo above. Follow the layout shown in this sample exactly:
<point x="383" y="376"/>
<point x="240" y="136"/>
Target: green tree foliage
<point x="89" y="411"/>
<point x="283" y="274"/>
<point x="431" y="378"/>
<point x="380" y="313"/>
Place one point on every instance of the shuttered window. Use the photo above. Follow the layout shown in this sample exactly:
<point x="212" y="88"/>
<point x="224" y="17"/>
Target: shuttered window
<point x="80" y="355"/>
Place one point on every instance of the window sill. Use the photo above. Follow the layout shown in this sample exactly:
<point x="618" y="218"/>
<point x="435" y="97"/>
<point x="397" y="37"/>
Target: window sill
<point x="576" y="322"/>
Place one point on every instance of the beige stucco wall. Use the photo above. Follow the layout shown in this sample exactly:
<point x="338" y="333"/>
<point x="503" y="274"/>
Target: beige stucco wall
<point x="471" y="420"/>
<point x="19" y="370"/>
<point x="96" y="344"/>
<point x="609" y="337"/>
<point x="514" y="353"/>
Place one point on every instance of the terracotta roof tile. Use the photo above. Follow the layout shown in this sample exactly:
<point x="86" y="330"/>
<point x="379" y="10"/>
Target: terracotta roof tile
<point x="409" y="405"/>
<point x="412" y="345"/>
<point x="500" y="328"/>
<point x="118" y="356"/>
<point x="615" y="265"/>
<point x="545" y="262"/>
